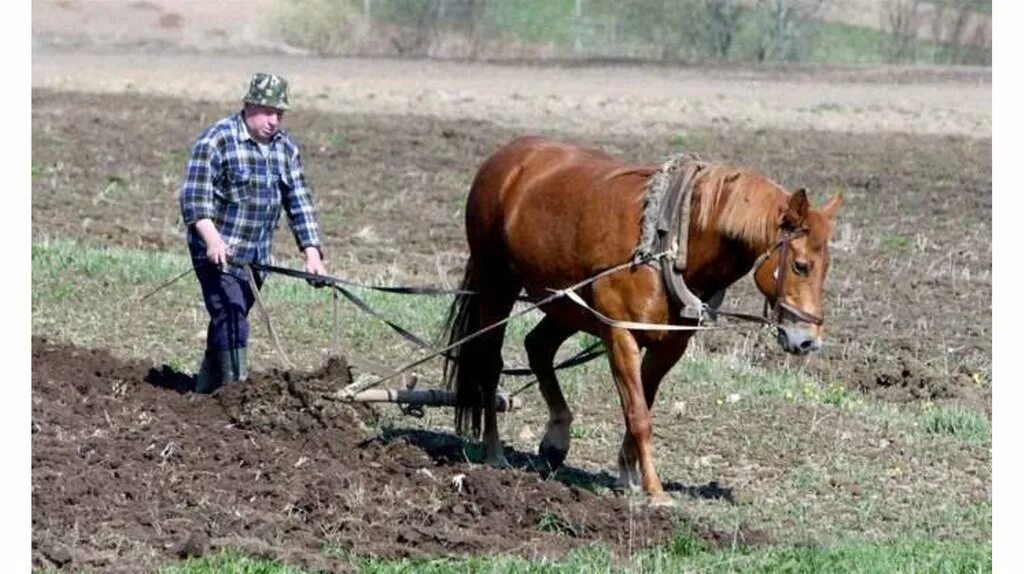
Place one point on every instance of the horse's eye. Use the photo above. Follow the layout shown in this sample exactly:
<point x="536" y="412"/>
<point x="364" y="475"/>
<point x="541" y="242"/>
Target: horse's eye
<point x="801" y="267"/>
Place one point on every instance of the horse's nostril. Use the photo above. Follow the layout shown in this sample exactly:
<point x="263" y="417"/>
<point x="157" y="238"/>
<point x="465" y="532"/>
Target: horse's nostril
<point x="806" y="344"/>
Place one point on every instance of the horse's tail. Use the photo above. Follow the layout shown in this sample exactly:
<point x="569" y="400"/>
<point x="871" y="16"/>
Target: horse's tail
<point x="465" y="365"/>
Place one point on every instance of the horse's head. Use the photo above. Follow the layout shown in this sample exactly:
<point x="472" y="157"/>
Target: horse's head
<point x="792" y="276"/>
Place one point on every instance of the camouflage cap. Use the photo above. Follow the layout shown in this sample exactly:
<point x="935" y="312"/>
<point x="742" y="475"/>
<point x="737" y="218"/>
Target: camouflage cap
<point x="267" y="90"/>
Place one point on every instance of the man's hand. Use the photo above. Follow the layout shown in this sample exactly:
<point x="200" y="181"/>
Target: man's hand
<point x="216" y="249"/>
<point x="314" y="264"/>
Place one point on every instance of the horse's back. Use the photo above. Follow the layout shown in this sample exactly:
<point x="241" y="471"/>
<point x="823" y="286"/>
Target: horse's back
<point x="555" y="209"/>
<point x="543" y="156"/>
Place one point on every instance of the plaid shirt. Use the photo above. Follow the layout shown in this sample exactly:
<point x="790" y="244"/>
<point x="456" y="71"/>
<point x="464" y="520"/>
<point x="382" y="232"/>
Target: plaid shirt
<point x="230" y="181"/>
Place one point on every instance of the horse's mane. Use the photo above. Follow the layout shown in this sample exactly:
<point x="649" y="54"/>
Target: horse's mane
<point x="744" y="205"/>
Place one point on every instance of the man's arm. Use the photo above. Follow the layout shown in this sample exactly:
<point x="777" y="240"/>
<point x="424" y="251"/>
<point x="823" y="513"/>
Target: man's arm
<point x="216" y="249"/>
<point x="196" y="199"/>
<point x="298" y="203"/>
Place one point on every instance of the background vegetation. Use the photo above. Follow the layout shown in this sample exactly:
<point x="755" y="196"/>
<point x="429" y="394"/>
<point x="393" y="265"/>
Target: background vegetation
<point x="687" y="31"/>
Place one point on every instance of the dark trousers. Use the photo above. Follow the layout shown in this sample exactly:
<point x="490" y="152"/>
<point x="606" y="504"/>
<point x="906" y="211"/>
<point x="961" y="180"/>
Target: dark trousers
<point x="228" y="300"/>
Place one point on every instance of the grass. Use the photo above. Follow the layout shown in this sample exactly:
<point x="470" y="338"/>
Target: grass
<point x="957" y="421"/>
<point x="685" y="554"/>
<point x="555" y="524"/>
<point x="230" y="563"/>
<point x="896" y="242"/>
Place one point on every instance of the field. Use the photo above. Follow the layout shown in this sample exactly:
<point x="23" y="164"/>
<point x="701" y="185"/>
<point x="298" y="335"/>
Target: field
<point x="874" y="455"/>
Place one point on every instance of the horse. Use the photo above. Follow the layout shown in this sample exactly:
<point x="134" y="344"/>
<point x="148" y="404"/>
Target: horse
<point x="543" y="214"/>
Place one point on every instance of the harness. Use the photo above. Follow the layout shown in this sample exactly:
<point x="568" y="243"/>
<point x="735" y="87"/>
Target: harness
<point x="665" y="229"/>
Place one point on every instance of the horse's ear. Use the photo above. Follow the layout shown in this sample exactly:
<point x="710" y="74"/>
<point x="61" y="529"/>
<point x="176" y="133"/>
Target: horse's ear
<point x="832" y="206"/>
<point x="796" y="212"/>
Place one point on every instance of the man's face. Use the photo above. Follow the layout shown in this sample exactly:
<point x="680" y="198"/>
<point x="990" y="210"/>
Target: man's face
<point x="262" y="121"/>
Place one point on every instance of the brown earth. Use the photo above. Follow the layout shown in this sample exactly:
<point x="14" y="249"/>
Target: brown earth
<point x="131" y="471"/>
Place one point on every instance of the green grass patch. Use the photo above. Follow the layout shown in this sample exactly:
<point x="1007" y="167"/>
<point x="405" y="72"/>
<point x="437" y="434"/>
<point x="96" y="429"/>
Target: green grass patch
<point x="535" y="20"/>
<point x="230" y="563"/>
<point x="958" y="422"/>
<point x="896" y="242"/>
<point x="555" y="524"/>
<point x="727" y="377"/>
<point x="846" y="44"/>
<point x="336" y="139"/>
<point x="685" y="554"/>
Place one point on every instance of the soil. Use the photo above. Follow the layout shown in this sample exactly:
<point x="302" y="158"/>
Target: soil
<point x="130" y="470"/>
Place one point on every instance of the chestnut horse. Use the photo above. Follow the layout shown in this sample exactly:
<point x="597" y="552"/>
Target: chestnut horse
<point x="545" y="215"/>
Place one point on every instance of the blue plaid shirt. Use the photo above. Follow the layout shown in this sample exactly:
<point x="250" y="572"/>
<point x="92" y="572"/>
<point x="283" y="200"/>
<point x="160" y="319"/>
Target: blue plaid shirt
<point x="232" y="182"/>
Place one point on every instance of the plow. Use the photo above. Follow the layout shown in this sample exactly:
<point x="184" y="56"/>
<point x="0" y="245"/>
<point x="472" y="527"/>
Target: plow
<point x="414" y="399"/>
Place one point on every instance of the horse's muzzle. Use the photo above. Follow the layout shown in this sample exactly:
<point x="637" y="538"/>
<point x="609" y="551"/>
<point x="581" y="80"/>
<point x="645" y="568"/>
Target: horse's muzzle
<point x="798" y="340"/>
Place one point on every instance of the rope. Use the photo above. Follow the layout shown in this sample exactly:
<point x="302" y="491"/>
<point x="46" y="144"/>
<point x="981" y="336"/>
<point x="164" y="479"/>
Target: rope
<point x="330" y="279"/>
<point x="336" y="283"/>
<point x="165" y="285"/>
<point x="358" y="386"/>
<point x="335" y="336"/>
<point x="632" y="324"/>
<point x="266" y="317"/>
<point x="583" y="356"/>
<point x="580" y="358"/>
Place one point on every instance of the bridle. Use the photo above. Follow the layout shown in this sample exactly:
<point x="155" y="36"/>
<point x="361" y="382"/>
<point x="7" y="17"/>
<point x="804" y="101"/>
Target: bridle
<point x="780" y="307"/>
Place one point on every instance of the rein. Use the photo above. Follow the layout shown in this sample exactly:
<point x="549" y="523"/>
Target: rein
<point x="583" y="356"/>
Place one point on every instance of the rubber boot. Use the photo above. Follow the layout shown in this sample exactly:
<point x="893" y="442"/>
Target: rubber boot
<point x="210" y="375"/>
<point x="233" y="365"/>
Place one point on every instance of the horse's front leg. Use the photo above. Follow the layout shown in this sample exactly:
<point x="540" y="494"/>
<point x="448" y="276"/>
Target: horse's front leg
<point x="658" y="359"/>
<point x="624" y="357"/>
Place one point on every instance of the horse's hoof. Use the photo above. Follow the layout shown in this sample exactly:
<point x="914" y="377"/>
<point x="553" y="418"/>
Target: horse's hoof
<point x="662" y="500"/>
<point x="553" y="455"/>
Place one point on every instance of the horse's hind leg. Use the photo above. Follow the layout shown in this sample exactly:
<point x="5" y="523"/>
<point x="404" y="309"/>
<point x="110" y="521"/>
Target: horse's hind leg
<point x="657" y="361"/>
<point x="541" y="345"/>
<point x="493" y="310"/>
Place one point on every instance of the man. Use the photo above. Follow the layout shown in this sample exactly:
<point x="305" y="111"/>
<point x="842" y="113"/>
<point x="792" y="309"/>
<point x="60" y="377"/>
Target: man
<point x="242" y="170"/>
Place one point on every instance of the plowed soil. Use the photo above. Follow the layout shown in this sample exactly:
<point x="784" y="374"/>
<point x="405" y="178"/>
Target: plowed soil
<point x="131" y="471"/>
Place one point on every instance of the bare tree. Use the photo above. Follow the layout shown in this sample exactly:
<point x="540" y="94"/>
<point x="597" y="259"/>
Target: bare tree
<point x="937" y="27"/>
<point x="902" y="21"/>
<point x="957" y="34"/>
<point x="723" y="17"/>
<point x="781" y="27"/>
